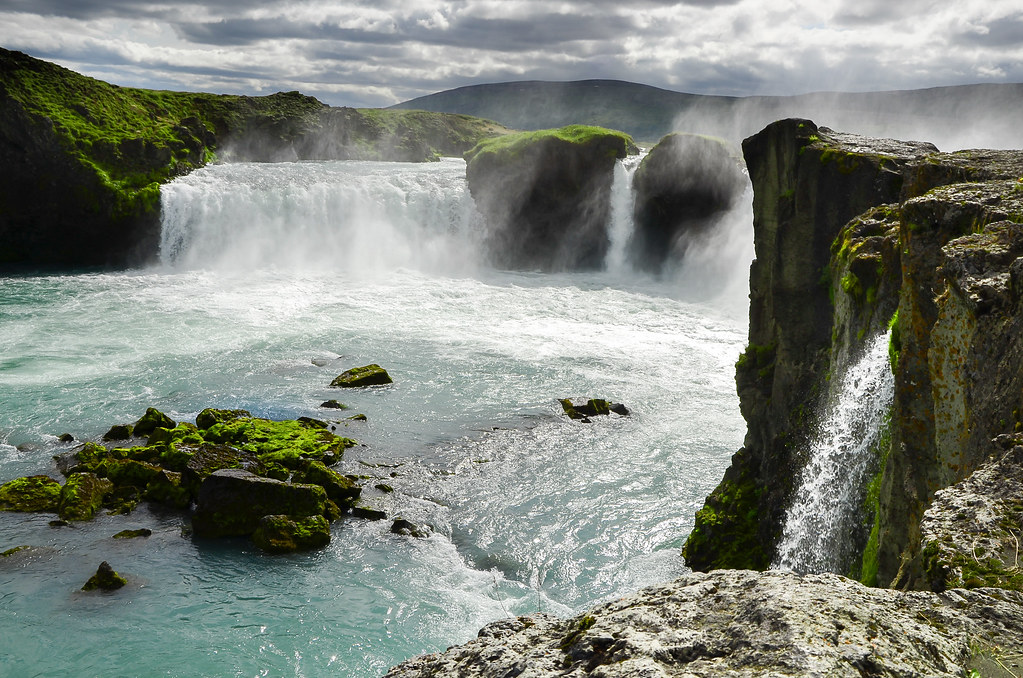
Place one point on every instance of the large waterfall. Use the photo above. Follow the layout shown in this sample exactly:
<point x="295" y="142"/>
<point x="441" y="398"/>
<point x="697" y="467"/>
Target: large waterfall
<point x="822" y="524"/>
<point x="274" y="279"/>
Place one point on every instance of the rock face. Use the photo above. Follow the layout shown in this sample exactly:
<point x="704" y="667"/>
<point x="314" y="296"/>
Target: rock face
<point x="848" y="231"/>
<point x="741" y="623"/>
<point x="545" y="196"/>
<point x="232" y="502"/>
<point x="81" y="161"/>
<point x="681" y="187"/>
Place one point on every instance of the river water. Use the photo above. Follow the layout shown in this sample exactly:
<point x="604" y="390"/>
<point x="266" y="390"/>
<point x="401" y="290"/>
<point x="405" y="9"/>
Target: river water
<point x="274" y="279"/>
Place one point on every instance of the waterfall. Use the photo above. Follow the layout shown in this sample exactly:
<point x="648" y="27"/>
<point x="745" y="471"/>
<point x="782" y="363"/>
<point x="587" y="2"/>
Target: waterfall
<point x="343" y="216"/>
<point x="821" y="526"/>
<point x="623" y="200"/>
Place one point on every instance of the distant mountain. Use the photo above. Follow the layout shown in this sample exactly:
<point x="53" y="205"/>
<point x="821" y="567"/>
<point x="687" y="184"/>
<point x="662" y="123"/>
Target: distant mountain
<point x="965" y="116"/>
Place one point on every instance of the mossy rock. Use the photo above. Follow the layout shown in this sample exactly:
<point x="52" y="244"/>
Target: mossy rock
<point x="151" y="420"/>
<point x="129" y="472"/>
<point x="288" y="443"/>
<point x="83" y="495"/>
<point x="87" y="457"/>
<point x="122" y="500"/>
<point x="119" y="432"/>
<point x="211" y="417"/>
<point x="283" y="534"/>
<point x="592" y="408"/>
<point x="134" y="534"/>
<point x="105" y="579"/>
<point x="167" y="488"/>
<point x="368" y="375"/>
<point x="231" y="502"/>
<point x="341" y="489"/>
<point x="31" y="493"/>
<point x="209" y="458"/>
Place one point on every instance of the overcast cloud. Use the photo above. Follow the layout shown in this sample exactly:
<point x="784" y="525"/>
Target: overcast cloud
<point x="380" y="52"/>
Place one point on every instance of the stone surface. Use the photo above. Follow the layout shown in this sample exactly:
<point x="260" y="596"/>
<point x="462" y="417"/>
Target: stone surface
<point x="283" y="534"/>
<point x="31" y="493"/>
<point x="741" y="623"/>
<point x="231" y="502"/>
<point x="105" y="579"/>
<point x="367" y="375"/>
<point x="151" y="420"/>
<point x="83" y="495"/>
<point x="683" y="184"/>
<point x="545" y="196"/>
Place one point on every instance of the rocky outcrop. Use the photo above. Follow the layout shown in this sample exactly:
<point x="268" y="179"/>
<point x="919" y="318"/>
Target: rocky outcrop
<point x="105" y="579"/>
<point x="848" y="231"/>
<point x="684" y="184"/>
<point x="545" y="196"/>
<point x="741" y="623"/>
<point x="232" y="502"/>
<point x="81" y="161"/>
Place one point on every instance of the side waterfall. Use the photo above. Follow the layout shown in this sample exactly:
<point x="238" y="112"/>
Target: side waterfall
<point x="821" y="525"/>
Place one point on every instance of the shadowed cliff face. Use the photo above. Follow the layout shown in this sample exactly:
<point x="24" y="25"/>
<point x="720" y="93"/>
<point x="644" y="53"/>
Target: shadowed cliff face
<point x="847" y="229"/>
<point x="546" y="196"/>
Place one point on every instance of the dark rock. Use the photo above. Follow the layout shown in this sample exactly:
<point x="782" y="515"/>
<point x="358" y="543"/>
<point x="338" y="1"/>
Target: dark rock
<point x="368" y="512"/>
<point x="340" y="489"/>
<point x="232" y="502"/>
<point x="592" y="408"/>
<point x="11" y="551"/>
<point x="152" y="419"/>
<point x="682" y="186"/>
<point x="66" y="438"/>
<point x="105" y="579"/>
<point x="167" y="488"/>
<point x="282" y="534"/>
<point x="118" y="432"/>
<point x="384" y="487"/>
<point x="545" y="196"/>
<point x="122" y="500"/>
<point x="134" y="534"/>
<point x="209" y="458"/>
<point x="32" y="493"/>
<point x="357" y="417"/>
<point x="333" y="404"/>
<point x="368" y="375"/>
<point x="408" y="529"/>
<point x="58" y="523"/>
<point x="210" y="417"/>
<point x="87" y="457"/>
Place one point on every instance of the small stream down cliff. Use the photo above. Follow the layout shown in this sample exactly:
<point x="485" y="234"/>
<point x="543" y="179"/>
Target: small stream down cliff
<point x="823" y="527"/>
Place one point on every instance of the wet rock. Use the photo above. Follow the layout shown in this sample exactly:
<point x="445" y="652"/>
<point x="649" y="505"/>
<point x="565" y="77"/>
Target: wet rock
<point x="82" y="495"/>
<point x="17" y="549"/>
<point x="105" y="579"/>
<point x="340" y="489"/>
<point x="134" y="534"/>
<point x="368" y="375"/>
<point x="334" y="405"/>
<point x="231" y="502"/>
<point x="87" y="457"/>
<point x="283" y="534"/>
<point x="31" y="493"/>
<point x="167" y="488"/>
<point x="592" y="408"/>
<point x="209" y="458"/>
<point x="151" y="420"/>
<point x="367" y="512"/>
<point x="746" y="624"/>
<point x="118" y="432"/>
<point x="408" y="529"/>
<point x="211" y="416"/>
<point x="682" y="187"/>
<point x="66" y="438"/>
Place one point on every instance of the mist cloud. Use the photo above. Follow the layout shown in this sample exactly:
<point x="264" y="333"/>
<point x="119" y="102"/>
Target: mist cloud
<point x="376" y="53"/>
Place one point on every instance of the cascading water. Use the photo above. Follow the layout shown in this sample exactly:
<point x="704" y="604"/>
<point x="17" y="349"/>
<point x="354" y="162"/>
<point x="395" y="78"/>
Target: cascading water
<point x="273" y="280"/>
<point x="622" y="202"/>
<point x="820" y="528"/>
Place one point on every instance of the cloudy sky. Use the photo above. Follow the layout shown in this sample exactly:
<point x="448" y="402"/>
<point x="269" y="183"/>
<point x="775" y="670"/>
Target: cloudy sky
<point x="380" y="52"/>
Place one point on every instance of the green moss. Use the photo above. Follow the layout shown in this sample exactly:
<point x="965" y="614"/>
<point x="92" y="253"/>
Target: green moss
<point x="894" y="341"/>
<point x="288" y="443"/>
<point x="759" y="358"/>
<point x="510" y="147"/>
<point x="29" y="494"/>
<point x="82" y="495"/>
<point x="867" y="570"/>
<point x="584" y="624"/>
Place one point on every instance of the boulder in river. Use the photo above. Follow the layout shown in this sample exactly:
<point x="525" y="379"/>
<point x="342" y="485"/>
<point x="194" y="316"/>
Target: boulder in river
<point x="368" y="375"/>
<point x="105" y="579"/>
<point x="31" y="493"/>
<point x="284" y="534"/>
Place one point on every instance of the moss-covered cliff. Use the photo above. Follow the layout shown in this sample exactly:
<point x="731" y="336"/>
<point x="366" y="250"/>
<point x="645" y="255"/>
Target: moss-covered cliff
<point x="81" y="160"/>
<point x="545" y="196"/>
<point x="848" y="231"/>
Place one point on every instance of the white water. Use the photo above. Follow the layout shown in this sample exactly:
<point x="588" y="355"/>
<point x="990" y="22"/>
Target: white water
<point x="275" y="278"/>
<point x="821" y="525"/>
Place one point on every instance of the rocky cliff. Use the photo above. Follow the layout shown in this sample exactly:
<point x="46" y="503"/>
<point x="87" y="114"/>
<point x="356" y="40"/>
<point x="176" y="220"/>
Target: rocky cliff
<point x="545" y="196"/>
<point x="81" y="160"/>
<point x="849" y="231"/>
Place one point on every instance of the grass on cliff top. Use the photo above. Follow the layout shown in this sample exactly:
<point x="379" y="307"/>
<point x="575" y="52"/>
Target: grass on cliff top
<point x="513" y="145"/>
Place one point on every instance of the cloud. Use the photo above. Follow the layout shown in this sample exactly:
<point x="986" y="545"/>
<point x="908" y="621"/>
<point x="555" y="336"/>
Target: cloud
<point x="377" y="52"/>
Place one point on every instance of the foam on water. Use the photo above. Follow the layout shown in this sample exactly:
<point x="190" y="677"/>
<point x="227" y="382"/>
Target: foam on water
<point x="528" y="510"/>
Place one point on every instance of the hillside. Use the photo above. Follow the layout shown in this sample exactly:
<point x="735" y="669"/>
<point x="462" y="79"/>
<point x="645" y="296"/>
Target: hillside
<point x="968" y="116"/>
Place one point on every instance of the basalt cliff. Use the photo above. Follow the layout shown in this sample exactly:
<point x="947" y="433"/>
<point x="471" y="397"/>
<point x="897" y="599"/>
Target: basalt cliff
<point x="855" y="237"/>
